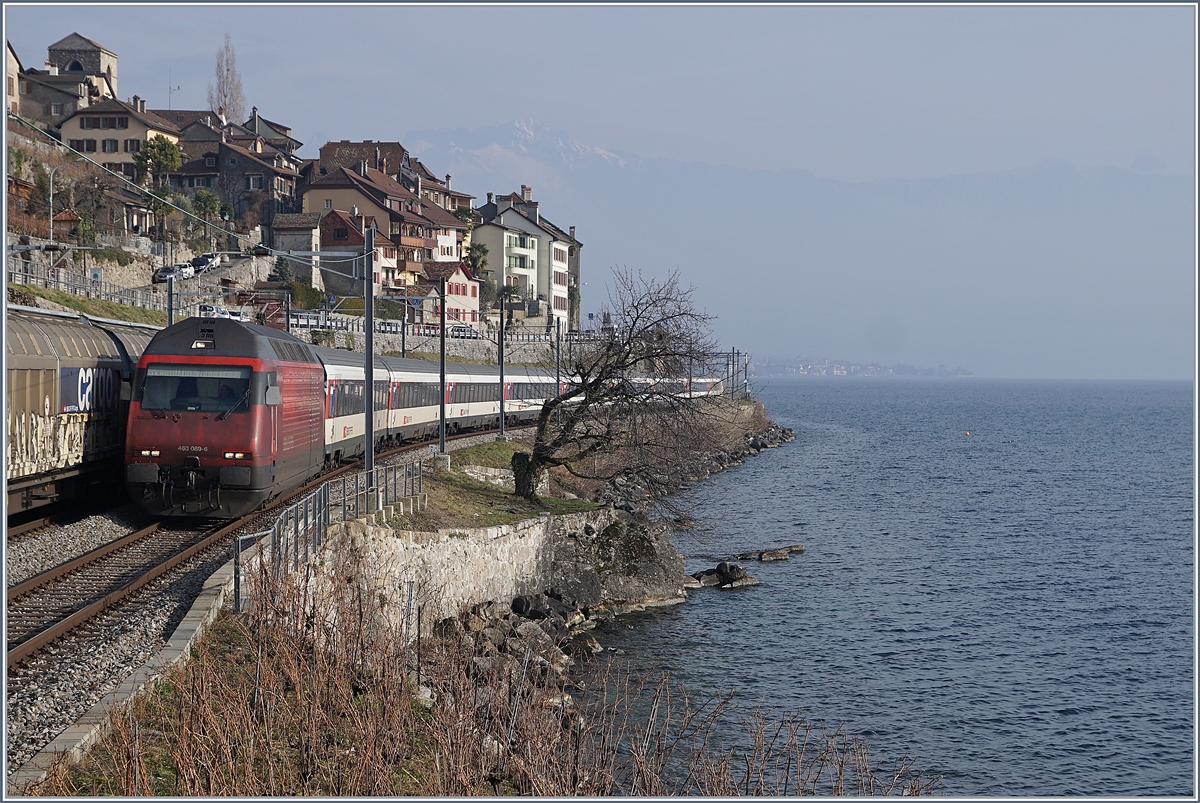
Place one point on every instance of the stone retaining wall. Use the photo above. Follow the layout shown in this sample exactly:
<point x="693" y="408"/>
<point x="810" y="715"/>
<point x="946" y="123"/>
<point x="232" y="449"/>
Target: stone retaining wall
<point x="600" y="561"/>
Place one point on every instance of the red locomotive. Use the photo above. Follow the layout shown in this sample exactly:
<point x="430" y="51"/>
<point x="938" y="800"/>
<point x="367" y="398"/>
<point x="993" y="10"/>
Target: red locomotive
<point x="224" y="417"/>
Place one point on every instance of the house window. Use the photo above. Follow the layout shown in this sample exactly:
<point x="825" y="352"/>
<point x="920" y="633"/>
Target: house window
<point x="233" y="161"/>
<point x="110" y="146"/>
<point x="89" y="146"/>
<point x="560" y="277"/>
<point x="329" y="205"/>
<point x="210" y="161"/>
<point x="24" y="87"/>
<point x="560" y="254"/>
<point x="474" y="291"/>
<point x="254" y="182"/>
<point x="133" y="145"/>
<point x="560" y="303"/>
<point x="56" y="109"/>
<point x="341" y="234"/>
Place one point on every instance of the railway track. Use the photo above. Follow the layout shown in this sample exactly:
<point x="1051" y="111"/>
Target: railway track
<point x="44" y="608"/>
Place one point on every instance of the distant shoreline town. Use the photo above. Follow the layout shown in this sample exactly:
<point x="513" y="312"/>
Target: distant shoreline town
<point x="808" y="366"/>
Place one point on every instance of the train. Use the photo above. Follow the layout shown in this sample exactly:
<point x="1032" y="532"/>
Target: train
<point x="226" y="416"/>
<point x="69" y="381"/>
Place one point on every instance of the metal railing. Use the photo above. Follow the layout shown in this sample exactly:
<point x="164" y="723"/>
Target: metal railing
<point x="300" y="530"/>
<point x="323" y="319"/>
<point x="69" y="281"/>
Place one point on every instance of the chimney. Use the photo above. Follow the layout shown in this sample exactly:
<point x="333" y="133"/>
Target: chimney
<point x="383" y="166"/>
<point x="254" y="119"/>
<point x="354" y="211"/>
<point x="362" y="167"/>
<point x="447" y="182"/>
<point x="418" y="185"/>
<point x="221" y="117"/>
<point x="572" y="232"/>
<point x="526" y="193"/>
<point x="52" y="67"/>
<point x="376" y="158"/>
<point x="489" y="197"/>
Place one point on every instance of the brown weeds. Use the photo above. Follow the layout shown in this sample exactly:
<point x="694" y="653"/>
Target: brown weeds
<point x="322" y="689"/>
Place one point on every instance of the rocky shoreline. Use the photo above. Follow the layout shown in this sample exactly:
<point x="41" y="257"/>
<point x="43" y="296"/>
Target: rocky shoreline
<point x="633" y="498"/>
<point x="596" y="575"/>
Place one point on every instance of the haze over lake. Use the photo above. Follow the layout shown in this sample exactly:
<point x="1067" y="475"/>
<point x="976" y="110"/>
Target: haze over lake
<point x="1006" y="188"/>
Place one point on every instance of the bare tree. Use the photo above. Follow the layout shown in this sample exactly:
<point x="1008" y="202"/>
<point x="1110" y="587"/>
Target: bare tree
<point x="226" y="93"/>
<point x="627" y="396"/>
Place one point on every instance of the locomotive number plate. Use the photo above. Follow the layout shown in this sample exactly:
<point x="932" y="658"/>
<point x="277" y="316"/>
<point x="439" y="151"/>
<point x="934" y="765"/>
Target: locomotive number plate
<point x="193" y="448"/>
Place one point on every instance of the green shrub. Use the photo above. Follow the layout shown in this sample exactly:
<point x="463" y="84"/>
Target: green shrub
<point x="113" y="253"/>
<point x="305" y="296"/>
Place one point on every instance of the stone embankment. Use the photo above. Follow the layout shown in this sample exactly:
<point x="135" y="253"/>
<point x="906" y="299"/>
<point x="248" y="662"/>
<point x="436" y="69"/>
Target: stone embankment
<point x="536" y="585"/>
<point x="631" y="497"/>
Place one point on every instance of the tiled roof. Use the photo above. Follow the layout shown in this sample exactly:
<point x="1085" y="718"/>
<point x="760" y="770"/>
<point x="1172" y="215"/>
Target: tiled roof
<point x="183" y="117"/>
<point x="436" y="271"/>
<point x="257" y="158"/>
<point x="67" y="40"/>
<point x="197" y="167"/>
<point x="300" y="220"/>
<point x="112" y="105"/>
<point x="349" y="154"/>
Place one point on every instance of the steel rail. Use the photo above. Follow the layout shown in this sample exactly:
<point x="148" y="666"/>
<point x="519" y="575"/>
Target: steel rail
<point x="21" y="589"/>
<point x="43" y="638"/>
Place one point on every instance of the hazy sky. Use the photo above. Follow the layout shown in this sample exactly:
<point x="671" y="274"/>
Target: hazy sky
<point x="853" y="94"/>
<point x="846" y="92"/>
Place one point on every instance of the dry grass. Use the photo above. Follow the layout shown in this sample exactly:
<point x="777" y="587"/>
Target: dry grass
<point x="95" y="306"/>
<point x="315" y="693"/>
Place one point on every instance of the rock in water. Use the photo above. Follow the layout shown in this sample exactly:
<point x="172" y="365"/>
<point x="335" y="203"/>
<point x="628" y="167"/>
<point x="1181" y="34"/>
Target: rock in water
<point x="773" y="554"/>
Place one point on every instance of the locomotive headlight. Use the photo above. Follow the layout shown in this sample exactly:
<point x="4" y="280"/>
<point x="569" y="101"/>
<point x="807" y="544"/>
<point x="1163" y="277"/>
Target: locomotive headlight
<point x="237" y="455"/>
<point x="149" y="452"/>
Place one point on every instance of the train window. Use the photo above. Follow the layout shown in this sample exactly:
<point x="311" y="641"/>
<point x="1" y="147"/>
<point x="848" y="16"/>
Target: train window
<point x="209" y="388"/>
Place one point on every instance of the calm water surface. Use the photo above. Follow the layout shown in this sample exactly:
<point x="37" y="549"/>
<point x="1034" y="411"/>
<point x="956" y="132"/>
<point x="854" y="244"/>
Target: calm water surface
<point x="1013" y="607"/>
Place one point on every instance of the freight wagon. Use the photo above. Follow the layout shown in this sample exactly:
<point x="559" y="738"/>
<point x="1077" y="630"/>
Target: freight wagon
<point x="69" y="379"/>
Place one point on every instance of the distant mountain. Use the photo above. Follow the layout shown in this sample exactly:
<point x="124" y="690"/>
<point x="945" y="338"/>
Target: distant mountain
<point x="1045" y="270"/>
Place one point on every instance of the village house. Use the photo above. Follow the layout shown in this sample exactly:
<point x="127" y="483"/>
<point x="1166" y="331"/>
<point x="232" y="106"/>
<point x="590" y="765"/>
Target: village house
<point x="462" y="293"/>
<point x="394" y="161"/>
<point x="300" y="231"/>
<point x="527" y="251"/>
<point x="409" y="224"/>
<point x="244" y="169"/>
<point x="346" y="232"/>
<point x="112" y="132"/>
<point x="79" y="73"/>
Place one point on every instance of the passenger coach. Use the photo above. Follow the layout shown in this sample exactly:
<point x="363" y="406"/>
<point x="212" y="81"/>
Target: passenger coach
<point x="227" y="416"/>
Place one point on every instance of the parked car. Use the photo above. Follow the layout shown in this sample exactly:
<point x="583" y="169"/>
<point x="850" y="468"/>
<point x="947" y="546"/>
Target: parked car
<point x="237" y="315"/>
<point x="213" y="311"/>
<point x="186" y="270"/>
<point x="206" y="262"/>
<point x="462" y="330"/>
<point x="164" y="272"/>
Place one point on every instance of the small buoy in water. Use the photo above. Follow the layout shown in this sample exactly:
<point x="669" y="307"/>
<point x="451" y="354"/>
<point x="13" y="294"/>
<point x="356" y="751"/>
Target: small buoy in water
<point x="968" y="434"/>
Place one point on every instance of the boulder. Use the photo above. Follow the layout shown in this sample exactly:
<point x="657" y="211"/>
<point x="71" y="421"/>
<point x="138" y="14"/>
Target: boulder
<point x="531" y="606"/>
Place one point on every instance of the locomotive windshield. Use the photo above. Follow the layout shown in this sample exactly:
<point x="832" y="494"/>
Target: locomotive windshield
<point x="211" y="388"/>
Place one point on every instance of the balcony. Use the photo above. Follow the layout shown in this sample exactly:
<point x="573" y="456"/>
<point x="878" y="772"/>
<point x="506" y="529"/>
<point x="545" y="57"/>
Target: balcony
<point x="417" y="242"/>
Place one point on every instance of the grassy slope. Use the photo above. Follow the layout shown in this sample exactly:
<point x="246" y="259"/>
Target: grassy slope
<point x="95" y="306"/>
<point x="458" y="501"/>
